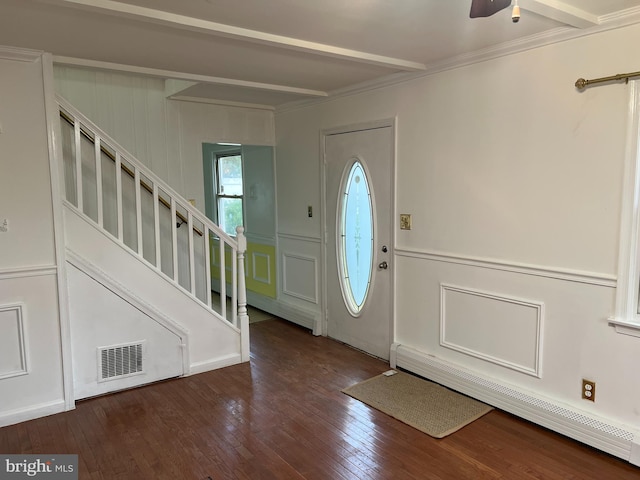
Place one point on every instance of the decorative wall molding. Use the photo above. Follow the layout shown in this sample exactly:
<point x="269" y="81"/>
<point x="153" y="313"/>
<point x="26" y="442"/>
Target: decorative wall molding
<point x="600" y="433"/>
<point x="528" y="310"/>
<point x="300" y="238"/>
<point x="267" y="280"/>
<point x="591" y="278"/>
<point x="260" y="239"/>
<point x="34" y="271"/>
<point x="288" y="287"/>
<point x="14" y="342"/>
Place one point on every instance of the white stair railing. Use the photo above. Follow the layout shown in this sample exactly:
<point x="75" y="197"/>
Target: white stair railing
<point x="106" y="184"/>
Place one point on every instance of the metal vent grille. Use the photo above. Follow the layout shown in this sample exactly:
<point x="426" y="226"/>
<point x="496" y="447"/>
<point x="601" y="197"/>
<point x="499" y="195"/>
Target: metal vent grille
<point x="120" y="361"/>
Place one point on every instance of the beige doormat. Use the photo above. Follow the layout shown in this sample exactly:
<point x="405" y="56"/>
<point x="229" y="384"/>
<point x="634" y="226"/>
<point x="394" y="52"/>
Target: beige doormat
<point x="427" y="406"/>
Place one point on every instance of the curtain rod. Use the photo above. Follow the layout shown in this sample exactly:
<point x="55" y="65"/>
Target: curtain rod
<point x="581" y="83"/>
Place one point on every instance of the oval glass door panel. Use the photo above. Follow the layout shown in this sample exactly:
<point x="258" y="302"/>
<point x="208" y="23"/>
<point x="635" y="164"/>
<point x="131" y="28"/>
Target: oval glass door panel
<point x="355" y="242"/>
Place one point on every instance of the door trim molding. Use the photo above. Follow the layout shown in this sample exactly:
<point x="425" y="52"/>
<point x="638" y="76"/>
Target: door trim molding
<point x="389" y="122"/>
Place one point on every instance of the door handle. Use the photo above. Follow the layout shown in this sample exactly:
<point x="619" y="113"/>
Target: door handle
<point x="383" y="265"/>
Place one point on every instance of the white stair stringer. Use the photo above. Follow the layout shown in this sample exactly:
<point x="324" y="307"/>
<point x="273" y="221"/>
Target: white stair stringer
<point x="119" y="290"/>
<point x="118" y="342"/>
<point x="210" y="341"/>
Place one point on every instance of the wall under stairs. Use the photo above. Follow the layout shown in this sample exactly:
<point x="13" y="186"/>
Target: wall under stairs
<point x="138" y="282"/>
<point x="145" y="301"/>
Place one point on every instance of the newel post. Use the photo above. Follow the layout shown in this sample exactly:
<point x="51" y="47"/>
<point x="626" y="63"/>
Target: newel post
<point x="243" y="317"/>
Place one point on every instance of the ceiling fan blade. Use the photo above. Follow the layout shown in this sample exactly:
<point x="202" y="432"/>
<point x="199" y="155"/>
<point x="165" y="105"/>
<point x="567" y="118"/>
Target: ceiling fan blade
<point x="486" y="8"/>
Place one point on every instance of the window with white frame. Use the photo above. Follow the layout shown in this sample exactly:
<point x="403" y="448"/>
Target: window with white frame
<point x="627" y="313"/>
<point x="229" y="191"/>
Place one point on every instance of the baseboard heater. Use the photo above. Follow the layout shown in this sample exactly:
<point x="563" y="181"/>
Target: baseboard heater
<point x="596" y="432"/>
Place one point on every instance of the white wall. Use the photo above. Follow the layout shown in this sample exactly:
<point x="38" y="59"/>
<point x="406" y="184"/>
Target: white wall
<point x="513" y="179"/>
<point x="198" y="123"/>
<point x="166" y="135"/>
<point x="211" y="343"/>
<point x="102" y="319"/>
<point x="31" y="372"/>
<point x="129" y="108"/>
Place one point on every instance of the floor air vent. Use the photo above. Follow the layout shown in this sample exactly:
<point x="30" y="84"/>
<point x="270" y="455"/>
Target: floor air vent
<point x="120" y="361"/>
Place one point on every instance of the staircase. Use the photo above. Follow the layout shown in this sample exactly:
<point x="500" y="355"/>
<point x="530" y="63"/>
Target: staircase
<point x="142" y="262"/>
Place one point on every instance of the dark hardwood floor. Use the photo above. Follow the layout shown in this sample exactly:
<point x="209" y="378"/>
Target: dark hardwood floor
<point x="283" y="417"/>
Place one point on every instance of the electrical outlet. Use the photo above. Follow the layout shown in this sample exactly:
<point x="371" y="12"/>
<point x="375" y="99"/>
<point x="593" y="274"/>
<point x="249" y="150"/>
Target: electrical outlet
<point x="589" y="390"/>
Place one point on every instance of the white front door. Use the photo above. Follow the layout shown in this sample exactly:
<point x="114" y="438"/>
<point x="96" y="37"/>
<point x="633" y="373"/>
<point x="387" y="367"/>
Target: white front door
<point x="359" y="238"/>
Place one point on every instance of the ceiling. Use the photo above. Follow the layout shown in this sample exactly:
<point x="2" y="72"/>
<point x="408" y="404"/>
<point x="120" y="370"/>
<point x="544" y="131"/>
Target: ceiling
<point x="271" y="52"/>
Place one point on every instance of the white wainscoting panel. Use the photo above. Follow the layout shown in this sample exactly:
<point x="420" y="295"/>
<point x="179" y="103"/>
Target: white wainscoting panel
<point x="499" y="329"/>
<point x="264" y="260"/>
<point x="299" y="274"/>
<point x="13" y="347"/>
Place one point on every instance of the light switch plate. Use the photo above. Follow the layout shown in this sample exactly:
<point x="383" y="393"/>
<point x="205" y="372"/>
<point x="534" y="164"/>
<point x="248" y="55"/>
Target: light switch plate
<point x="405" y="221"/>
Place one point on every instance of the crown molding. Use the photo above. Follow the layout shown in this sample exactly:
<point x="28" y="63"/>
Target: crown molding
<point x="20" y="54"/>
<point x="615" y="21"/>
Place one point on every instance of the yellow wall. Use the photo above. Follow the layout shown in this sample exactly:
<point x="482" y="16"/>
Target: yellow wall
<point x="260" y="267"/>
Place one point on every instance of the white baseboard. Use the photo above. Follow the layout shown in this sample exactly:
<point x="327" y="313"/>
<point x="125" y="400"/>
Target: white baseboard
<point x="225" y="361"/>
<point x="305" y="318"/>
<point x="634" y="457"/>
<point x="599" y="433"/>
<point x="29" y="413"/>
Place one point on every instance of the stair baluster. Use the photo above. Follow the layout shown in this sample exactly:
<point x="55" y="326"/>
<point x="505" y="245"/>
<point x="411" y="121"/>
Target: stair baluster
<point x="129" y="210"/>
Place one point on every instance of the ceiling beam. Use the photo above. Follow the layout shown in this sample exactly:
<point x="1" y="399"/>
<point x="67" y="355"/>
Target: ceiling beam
<point x="226" y="103"/>
<point x="561" y="12"/>
<point x="190" y="77"/>
<point x="182" y="22"/>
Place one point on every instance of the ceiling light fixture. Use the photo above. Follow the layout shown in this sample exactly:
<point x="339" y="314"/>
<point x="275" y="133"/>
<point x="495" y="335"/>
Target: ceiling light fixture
<point x="515" y="13"/>
<point x="486" y="8"/>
